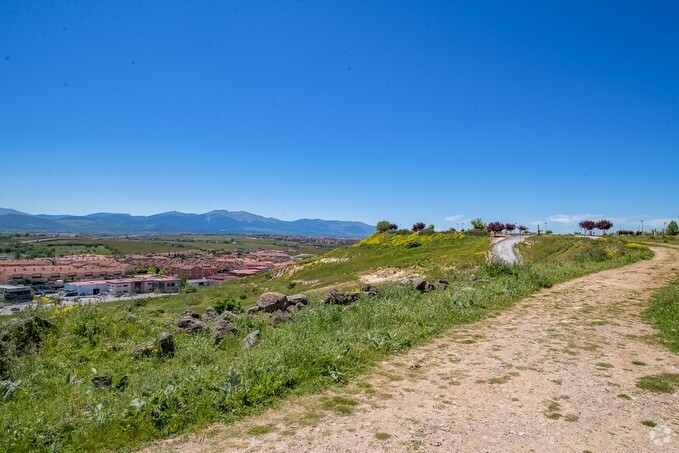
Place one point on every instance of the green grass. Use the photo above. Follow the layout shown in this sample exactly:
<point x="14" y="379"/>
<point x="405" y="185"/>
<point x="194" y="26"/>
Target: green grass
<point x="661" y="383"/>
<point x="663" y="314"/>
<point x="48" y="402"/>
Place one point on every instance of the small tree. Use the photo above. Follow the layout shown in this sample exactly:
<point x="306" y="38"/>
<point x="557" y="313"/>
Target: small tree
<point x="419" y="226"/>
<point x="393" y="227"/>
<point x="510" y="227"/>
<point x="523" y="228"/>
<point x="603" y="225"/>
<point x="478" y="224"/>
<point x="587" y="225"/>
<point x="383" y="225"/>
<point x="495" y="227"/>
<point x="672" y="228"/>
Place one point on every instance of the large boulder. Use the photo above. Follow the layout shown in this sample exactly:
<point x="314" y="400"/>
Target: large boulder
<point x="337" y="297"/>
<point x="297" y="299"/>
<point x="210" y="314"/>
<point x="271" y="302"/>
<point x="251" y="339"/>
<point x="192" y="314"/>
<point x="222" y="329"/>
<point x="227" y="315"/>
<point x="145" y="349"/>
<point x="281" y="317"/>
<point x="190" y="324"/>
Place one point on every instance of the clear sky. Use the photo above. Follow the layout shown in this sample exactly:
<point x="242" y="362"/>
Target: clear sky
<point x="356" y="110"/>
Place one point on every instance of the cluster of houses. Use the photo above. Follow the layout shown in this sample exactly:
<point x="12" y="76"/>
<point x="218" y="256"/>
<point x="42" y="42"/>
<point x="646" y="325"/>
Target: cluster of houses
<point x="92" y="275"/>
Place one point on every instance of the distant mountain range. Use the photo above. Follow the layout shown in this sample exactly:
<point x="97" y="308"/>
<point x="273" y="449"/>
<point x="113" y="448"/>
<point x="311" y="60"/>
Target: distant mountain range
<point x="239" y="222"/>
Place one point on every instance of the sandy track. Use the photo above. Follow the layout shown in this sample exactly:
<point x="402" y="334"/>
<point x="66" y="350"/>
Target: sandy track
<point x="555" y="373"/>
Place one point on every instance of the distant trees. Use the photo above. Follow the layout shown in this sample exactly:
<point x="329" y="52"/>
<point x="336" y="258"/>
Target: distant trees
<point x="523" y="228"/>
<point x="603" y="225"/>
<point x="478" y="224"/>
<point x="672" y="228"/>
<point x="419" y="226"/>
<point x="495" y="227"/>
<point x="589" y="225"/>
<point x="509" y="227"/>
<point x="385" y="225"/>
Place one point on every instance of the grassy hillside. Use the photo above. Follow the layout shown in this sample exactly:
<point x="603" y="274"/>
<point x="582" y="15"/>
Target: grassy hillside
<point x="539" y="249"/>
<point x="47" y="400"/>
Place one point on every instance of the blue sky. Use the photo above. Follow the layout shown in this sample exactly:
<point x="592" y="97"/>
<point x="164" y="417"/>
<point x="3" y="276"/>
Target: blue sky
<point x="358" y="110"/>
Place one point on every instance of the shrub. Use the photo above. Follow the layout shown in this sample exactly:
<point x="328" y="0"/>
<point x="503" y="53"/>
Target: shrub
<point x="228" y="305"/>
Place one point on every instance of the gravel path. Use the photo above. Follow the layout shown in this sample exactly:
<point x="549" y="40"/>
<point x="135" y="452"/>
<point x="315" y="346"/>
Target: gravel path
<point x="505" y="249"/>
<point x="555" y="373"/>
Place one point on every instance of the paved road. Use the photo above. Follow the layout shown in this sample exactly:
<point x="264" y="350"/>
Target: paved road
<point x="505" y="249"/>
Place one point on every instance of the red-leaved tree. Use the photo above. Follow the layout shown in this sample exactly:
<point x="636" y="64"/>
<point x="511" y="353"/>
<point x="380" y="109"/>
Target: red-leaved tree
<point x="419" y="226"/>
<point x="510" y="227"/>
<point x="588" y="225"/>
<point x="495" y="227"/>
<point x="603" y="225"/>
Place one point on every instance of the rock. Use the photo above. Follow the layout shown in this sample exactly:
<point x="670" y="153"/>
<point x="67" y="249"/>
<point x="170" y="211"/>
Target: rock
<point x="253" y="310"/>
<point x="281" y="317"/>
<point x="251" y="339"/>
<point x="296" y="299"/>
<point x="337" y="297"/>
<point x="370" y="290"/>
<point x="222" y="329"/>
<point x="300" y="306"/>
<point x="191" y="325"/>
<point x="102" y="381"/>
<point x="165" y="345"/>
<point x="191" y="314"/>
<point x="443" y="284"/>
<point x="227" y="315"/>
<point x="144" y="349"/>
<point x="422" y="285"/>
<point x="210" y="314"/>
<point x="271" y="302"/>
<point x="292" y="308"/>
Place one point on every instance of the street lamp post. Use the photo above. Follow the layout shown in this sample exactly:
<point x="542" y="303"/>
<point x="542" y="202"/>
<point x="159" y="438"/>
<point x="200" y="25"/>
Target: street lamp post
<point x="642" y="227"/>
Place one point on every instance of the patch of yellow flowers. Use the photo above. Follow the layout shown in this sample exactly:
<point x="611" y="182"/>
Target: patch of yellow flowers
<point x="401" y="240"/>
<point x="58" y="311"/>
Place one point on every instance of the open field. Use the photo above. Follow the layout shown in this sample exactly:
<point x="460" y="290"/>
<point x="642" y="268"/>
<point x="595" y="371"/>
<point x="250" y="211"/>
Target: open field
<point x="40" y="246"/>
<point x="49" y="402"/>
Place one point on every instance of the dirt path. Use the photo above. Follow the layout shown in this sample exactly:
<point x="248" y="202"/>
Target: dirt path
<point x="555" y="373"/>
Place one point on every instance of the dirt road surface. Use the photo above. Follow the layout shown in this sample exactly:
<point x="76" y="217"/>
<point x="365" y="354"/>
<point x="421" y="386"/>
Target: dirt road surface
<point x="556" y="373"/>
<point x="505" y="249"/>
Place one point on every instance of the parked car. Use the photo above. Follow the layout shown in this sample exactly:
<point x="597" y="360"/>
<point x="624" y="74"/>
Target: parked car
<point x="1" y="306"/>
<point x="15" y="309"/>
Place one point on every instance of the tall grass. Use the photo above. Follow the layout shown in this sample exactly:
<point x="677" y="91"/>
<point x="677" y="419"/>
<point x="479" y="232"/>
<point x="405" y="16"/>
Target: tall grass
<point x="663" y="313"/>
<point x="47" y="402"/>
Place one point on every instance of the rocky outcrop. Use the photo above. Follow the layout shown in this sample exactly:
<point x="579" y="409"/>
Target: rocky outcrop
<point x="337" y="297"/>
<point x="297" y="299"/>
<point x="251" y="339"/>
<point x="145" y="349"/>
<point x="423" y="285"/>
<point x="227" y="315"/>
<point x="271" y="302"/>
<point x="210" y="314"/>
<point x="370" y="290"/>
<point x="165" y="345"/>
<point x="190" y="324"/>
<point x="223" y="328"/>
